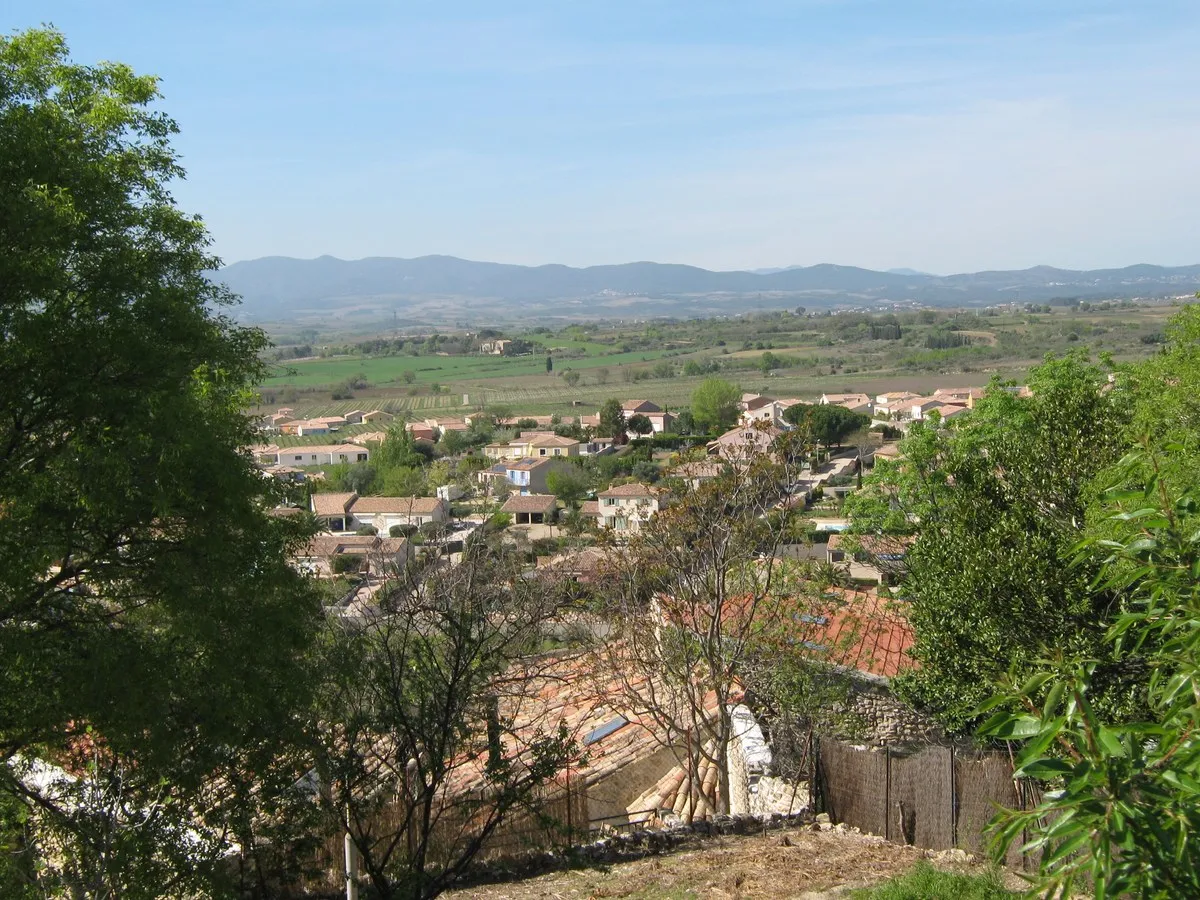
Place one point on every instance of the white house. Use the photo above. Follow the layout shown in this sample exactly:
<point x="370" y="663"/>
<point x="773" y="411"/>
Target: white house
<point x="320" y="455"/>
<point x="626" y="507"/>
<point x="386" y="512"/>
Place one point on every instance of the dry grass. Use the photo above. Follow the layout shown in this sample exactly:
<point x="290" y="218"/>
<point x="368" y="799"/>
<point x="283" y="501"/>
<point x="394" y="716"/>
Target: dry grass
<point x="788" y="864"/>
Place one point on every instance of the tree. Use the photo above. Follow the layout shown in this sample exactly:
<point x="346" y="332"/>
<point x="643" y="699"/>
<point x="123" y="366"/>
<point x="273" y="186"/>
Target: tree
<point x="571" y="377"/>
<point x="568" y="486"/>
<point x="397" y="449"/>
<point x="1125" y="810"/>
<point x="664" y="369"/>
<point x="549" y="364"/>
<point x="998" y="501"/>
<point x="640" y="424"/>
<point x="612" y="421"/>
<point x="797" y="413"/>
<point x="715" y="404"/>
<point x="831" y="424"/>
<point x="696" y="588"/>
<point x="147" y="609"/>
<point x="409" y="376"/>
<point x="429" y="745"/>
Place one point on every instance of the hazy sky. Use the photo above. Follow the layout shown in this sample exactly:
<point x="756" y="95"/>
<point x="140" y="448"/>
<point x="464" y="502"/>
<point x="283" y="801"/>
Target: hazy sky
<point x="946" y="136"/>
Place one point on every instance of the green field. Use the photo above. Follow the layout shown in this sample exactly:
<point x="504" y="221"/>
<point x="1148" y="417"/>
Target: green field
<point x="386" y="370"/>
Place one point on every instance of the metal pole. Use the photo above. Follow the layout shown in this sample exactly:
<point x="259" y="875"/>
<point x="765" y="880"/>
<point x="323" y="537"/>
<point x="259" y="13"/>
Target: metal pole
<point x="351" y="862"/>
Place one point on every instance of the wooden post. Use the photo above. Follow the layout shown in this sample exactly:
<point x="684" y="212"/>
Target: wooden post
<point x="887" y="792"/>
<point x="953" y="802"/>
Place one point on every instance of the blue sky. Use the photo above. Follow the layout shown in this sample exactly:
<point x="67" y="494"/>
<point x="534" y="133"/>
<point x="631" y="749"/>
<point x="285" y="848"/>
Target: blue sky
<point x="946" y="136"/>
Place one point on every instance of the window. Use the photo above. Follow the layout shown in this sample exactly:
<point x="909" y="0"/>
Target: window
<point x="600" y="732"/>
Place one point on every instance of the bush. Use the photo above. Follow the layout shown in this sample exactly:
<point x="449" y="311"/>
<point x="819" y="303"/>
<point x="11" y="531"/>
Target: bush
<point x="367" y="529"/>
<point x="924" y="882"/>
<point x="346" y="562"/>
<point x="401" y="531"/>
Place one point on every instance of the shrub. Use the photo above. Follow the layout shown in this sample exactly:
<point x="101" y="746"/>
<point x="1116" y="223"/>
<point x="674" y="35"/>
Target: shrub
<point x="346" y="562"/>
<point x="923" y="881"/>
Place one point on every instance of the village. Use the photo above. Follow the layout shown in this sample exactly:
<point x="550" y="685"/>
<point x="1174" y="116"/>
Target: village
<point x="529" y="487"/>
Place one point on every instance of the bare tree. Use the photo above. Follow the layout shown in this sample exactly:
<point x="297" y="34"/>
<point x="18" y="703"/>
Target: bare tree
<point x="427" y="745"/>
<point x="694" y="591"/>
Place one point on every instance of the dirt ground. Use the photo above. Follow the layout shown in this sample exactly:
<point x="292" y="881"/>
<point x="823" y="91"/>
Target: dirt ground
<point x="779" y="864"/>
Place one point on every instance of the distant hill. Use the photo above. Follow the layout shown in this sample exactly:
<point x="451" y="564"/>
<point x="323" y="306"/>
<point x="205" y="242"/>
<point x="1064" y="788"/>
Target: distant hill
<point x="445" y="287"/>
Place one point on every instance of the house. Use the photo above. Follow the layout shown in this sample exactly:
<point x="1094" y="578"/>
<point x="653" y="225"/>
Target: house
<point x="962" y="396"/>
<point x="384" y="513"/>
<point x="769" y="413"/>
<point x="584" y="566"/>
<point x="918" y="406"/>
<point x="348" y="511"/>
<point x="528" y="475"/>
<point x="334" y="422"/>
<point x="750" y="402"/>
<point x="741" y="444"/>
<point x="495" y="348"/>
<point x="369" y="437"/>
<point x="531" y="509"/>
<point x="888" y="453"/>
<point x="853" y="402"/>
<point x="447" y="424"/>
<point x="533" y="444"/>
<point x="332" y="509"/>
<point x="376" y="416"/>
<point x="947" y="410"/>
<point x="311" y="426"/>
<point x="320" y="455"/>
<point x="660" y="421"/>
<point x="625" y="507"/>
<point x="878" y="558"/>
<point x="420" y="431"/>
<point x="697" y="472"/>
<point x="372" y="555"/>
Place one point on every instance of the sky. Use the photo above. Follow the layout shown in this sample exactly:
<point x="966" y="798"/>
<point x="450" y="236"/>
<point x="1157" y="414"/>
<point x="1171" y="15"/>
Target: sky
<point x="948" y="136"/>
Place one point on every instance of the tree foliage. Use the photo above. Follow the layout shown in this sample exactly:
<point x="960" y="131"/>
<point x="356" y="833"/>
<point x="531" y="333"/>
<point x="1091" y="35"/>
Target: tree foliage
<point x="612" y="421"/>
<point x="997" y="501"/>
<point x="1124" y="805"/>
<point x="146" y="604"/>
<point x="715" y="404"/>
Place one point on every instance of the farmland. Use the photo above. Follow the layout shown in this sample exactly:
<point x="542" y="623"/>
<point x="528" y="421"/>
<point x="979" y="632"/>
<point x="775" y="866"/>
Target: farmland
<point x="783" y="354"/>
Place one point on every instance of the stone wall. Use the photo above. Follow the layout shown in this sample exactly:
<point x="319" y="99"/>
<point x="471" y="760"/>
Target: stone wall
<point x="884" y="719"/>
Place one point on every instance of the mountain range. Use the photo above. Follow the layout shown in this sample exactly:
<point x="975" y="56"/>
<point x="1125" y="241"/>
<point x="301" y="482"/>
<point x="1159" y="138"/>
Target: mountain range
<point x="441" y="288"/>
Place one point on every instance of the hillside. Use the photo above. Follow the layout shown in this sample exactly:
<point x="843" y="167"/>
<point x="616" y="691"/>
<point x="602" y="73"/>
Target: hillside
<point x="444" y="288"/>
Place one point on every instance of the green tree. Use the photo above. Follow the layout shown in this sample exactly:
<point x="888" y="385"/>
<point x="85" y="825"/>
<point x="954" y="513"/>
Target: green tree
<point x="549" y="364"/>
<point x="832" y="424"/>
<point x="612" y="421"/>
<point x="146" y="604"/>
<point x="640" y="424"/>
<point x="797" y="413"/>
<point x="999" y="500"/>
<point x="398" y="449"/>
<point x="1125" y="809"/>
<point x="568" y="486"/>
<point x="715" y="404"/>
<point x="571" y="377"/>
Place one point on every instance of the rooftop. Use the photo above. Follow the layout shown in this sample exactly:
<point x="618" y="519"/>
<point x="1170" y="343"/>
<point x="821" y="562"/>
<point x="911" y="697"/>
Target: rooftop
<point x="530" y="503"/>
